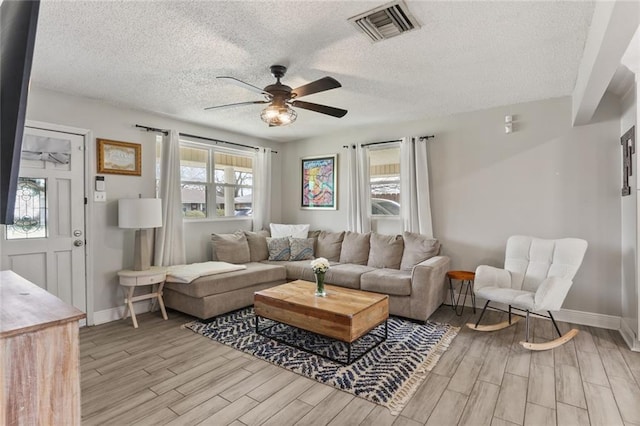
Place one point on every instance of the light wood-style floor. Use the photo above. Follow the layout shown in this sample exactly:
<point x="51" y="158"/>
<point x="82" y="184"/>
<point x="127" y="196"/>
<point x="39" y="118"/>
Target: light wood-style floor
<point x="162" y="374"/>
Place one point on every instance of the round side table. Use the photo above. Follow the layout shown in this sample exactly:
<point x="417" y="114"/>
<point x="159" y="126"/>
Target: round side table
<point x="465" y="278"/>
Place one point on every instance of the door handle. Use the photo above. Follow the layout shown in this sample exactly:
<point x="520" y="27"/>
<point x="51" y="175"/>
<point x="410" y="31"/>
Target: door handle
<point x="78" y="243"/>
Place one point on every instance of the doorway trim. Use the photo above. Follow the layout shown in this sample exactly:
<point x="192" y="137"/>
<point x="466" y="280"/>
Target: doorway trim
<point x="88" y="206"/>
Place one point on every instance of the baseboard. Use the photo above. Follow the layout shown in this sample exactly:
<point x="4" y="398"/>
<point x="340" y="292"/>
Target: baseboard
<point x="591" y="319"/>
<point x="113" y="314"/>
<point x="629" y="336"/>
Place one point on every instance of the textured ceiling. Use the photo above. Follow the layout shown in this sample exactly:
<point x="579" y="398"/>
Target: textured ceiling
<point x="163" y="56"/>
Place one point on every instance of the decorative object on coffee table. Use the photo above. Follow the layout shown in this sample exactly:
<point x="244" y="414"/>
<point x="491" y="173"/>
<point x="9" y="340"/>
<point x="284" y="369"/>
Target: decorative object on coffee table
<point x="320" y="266"/>
<point x="388" y="375"/>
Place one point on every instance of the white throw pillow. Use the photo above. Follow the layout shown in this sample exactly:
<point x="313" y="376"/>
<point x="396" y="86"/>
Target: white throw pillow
<point x="279" y="230"/>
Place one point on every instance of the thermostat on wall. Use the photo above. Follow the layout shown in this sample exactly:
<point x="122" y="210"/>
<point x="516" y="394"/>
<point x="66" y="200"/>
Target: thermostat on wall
<point x="100" y="186"/>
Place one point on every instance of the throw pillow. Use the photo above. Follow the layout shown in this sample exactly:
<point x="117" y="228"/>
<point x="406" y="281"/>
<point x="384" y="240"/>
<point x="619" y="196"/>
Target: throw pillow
<point x="231" y="248"/>
<point x="258" y="249"/>
<point x="301" y="248"/>
<point x="355" y="248"/>
<point x="279" y="248"/>
<point x="329" y="245"/>
<point x="279" y="230"/>
<point x="417" y="248"/>
<point x="386" y="251"/>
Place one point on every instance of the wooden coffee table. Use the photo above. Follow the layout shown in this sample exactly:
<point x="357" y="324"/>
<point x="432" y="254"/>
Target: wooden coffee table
<point x="344" y="314"/>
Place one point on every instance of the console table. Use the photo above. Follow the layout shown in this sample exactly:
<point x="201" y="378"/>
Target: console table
<point x="39" y="350"/>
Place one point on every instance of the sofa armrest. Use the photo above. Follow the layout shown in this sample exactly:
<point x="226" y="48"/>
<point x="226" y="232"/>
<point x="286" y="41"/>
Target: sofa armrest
<point x="427" y="277"/>
<point x="489" y="276"/>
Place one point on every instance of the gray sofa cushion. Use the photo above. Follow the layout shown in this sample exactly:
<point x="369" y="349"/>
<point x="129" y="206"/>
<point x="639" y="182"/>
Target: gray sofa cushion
<point x="387" y="281"/>
<point x="256" y="273"/>
<point x="232" y="248"/>
<point x="385" y="251"/>
<point x="258" y="249"/>
<point x="279" y="248"/>
<point x="417" y="248"/>
<point x="301" y="248"/>
<point x="345" y="275"/>
<point x="355" y="248"/>
<point x="329" y="245"/>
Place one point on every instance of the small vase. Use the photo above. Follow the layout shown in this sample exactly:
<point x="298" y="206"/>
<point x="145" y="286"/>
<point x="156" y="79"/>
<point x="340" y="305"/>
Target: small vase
<point x="320" y="285"/>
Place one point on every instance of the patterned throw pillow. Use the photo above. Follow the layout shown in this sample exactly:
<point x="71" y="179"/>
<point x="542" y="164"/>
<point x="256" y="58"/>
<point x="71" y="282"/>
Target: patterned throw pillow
<point x="279" y="248"/>
<point x="301" y="248"/>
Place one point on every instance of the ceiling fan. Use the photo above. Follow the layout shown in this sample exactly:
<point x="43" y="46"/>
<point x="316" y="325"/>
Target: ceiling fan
<point x="281" y="98"/>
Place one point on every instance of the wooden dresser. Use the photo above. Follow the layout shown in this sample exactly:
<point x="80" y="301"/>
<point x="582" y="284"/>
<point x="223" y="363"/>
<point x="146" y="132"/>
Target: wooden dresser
<point x="39" y="354"/>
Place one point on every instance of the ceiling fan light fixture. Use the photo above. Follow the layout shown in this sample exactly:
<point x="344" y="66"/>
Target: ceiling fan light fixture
<point x="274" y="115"/>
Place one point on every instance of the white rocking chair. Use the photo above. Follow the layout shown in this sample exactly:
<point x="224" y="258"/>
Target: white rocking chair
<point x="537" y="276"/>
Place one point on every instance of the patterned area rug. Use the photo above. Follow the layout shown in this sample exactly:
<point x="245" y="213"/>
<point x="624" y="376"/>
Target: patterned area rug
<point x="388" y="375"/>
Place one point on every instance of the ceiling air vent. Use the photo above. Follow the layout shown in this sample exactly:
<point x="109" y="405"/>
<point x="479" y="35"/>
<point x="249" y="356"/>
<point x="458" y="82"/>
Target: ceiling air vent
<point x="386" y="21"/>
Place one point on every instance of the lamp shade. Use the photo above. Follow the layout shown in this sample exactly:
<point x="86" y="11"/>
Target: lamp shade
<point x="140" y="213"/>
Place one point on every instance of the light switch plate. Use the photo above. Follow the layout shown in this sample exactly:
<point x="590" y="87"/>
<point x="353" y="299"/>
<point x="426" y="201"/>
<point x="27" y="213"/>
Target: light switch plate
<point x="100" y="196"/>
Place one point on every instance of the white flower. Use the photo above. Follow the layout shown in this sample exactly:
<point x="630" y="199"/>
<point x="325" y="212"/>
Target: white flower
<point x="320" y="265"/>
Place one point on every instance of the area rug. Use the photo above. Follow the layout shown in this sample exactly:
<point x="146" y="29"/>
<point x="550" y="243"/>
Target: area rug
<point x="388" y="375"/>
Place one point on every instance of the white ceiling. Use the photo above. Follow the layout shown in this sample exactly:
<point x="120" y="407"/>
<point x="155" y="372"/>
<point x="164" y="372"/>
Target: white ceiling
<point x="163" y="56"/>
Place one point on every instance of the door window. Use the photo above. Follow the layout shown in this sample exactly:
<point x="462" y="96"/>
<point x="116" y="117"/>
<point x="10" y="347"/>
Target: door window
<point x="30" y="217"/>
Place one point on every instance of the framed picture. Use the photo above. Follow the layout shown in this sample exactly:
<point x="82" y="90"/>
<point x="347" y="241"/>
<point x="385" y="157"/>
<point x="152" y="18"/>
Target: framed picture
<point x="319" y="178"/>
<point x="119" y="158"/>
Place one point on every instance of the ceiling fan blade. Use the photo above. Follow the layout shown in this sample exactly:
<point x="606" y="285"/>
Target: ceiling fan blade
<point x="322" y="109"/>
<point x="325" y="83"/>
<point x="247" y="86"/>
<point x="237" y="104"/>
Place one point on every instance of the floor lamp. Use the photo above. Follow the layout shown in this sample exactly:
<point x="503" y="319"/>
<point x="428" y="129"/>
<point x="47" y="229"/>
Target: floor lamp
<point x="141" y="214"/>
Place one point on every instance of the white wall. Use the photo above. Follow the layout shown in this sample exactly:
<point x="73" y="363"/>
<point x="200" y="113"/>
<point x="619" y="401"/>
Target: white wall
<point x="112" y="247"/>
<point x="629" y="229"/>
<point x="546" y="179"/>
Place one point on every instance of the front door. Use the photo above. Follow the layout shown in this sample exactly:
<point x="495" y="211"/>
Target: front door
<point x="46" y="242"/>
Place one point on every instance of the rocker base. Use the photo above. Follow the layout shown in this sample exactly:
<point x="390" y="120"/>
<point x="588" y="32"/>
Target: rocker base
<point x="493" y="327"/>
<point x="552" y="343"/>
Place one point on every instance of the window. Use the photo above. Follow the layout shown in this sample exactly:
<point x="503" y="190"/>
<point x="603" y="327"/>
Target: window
<point x="215" y="181"/>
<point x="30" y="214"/>
<point x="384" y="180"/>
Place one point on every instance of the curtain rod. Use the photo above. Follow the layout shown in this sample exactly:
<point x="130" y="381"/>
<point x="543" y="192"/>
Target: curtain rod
<point x="153" y="129"/>
<point x="422" y="138"/>
<point x="166" y="132"/>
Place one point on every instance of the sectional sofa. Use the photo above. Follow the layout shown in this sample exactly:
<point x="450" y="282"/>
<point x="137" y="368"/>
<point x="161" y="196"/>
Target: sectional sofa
<point x="407" y="267"/>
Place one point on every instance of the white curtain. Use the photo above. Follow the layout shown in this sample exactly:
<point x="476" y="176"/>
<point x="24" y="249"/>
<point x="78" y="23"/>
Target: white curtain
<point x="358" y="203"/>
<point x="169" y="243"/>
<point x="262" y="190"/>
<point x="415" y="205"/>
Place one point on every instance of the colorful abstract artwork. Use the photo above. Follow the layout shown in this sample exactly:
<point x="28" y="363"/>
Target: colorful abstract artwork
<point x="319" y="182"/>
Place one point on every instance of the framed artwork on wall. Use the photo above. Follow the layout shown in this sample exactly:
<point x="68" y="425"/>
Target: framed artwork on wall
<point x="119" y="158"/>
<point x="319" y="180"/>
